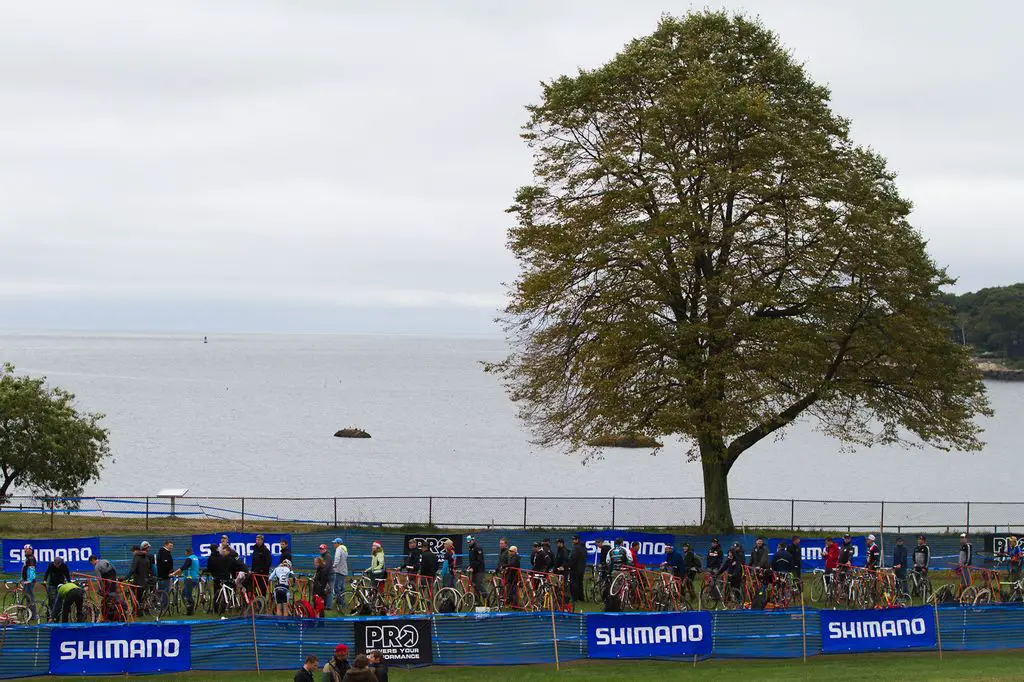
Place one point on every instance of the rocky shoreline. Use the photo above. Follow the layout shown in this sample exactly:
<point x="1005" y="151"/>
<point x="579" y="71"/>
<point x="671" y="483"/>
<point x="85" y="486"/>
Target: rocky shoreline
<point x="994" y="372"/>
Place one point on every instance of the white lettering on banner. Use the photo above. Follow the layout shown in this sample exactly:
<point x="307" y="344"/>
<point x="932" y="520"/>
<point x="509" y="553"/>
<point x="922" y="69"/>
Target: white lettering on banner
<point x="242" y="548"/>
<point x="811" y="553"/>
<point x="77" y="650"/>
<point x="648" y="548"/>
<point x="46" y="555"/>
<point x="663" y="634"/>
<point x="900" y="627"/>
<point x="383" y="636"/>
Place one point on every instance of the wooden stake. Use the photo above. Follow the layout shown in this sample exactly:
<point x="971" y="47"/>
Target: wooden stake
<point x="803" y="623"/>
<point x="938" y="633"/>
<point x="554" y="635"/>
<point x="255" y="644"/>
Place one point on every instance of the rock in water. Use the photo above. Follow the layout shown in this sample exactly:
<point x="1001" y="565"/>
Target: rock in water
<point x="351" y="433"/>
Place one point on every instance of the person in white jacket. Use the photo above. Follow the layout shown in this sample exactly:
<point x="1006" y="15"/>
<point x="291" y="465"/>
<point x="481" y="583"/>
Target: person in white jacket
<point x="339" y="572"/>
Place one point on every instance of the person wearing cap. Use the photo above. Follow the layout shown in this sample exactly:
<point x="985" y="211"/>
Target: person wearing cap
<point x="539" y="559"/>
<point x="714" y="555"/>
<point x="922" y="556"/>
<point x="281" y="580"/>
<point x="335" y="669"/>
<point x="691" y="567"/>
<point x="477" y="569"/>
<point x="510" y="576"/>
<point x="140" y="572"/>
<point x="874" y="555"/>
<point x="899" y="564"/>
<point x="577" y="568"/>
<point x="190" y="572"/>
<point x="428" y="563"/>
<point x="164" y="565"/>
<point x="831" y="556"/>
<point x="549" y="556"/>
<point x="964" y="559"/>
<point x="673" y="561"/>
<point x="560" y="562"/>
<point x="56" y="574"/>
<point x="413" y="558"/>
<point x="618" y="556"/>
<point x="339" y="572"/>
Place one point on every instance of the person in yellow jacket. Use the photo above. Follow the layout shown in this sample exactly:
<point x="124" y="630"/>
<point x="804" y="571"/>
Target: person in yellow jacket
<point x="376" y="569"/>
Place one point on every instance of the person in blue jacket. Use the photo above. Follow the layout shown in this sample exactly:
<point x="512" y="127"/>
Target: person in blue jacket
<point x="673" y="561"/>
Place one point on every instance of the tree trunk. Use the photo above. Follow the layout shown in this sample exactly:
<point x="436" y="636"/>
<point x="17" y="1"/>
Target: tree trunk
<point x="717" y="512"/>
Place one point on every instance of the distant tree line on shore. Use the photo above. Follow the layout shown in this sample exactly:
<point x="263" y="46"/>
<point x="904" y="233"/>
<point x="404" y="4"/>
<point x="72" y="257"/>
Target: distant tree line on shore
<point x="991" y="321"/>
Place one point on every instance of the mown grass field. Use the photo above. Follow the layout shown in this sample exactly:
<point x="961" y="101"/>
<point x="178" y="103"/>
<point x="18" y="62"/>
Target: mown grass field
<point x="921" y="667"/>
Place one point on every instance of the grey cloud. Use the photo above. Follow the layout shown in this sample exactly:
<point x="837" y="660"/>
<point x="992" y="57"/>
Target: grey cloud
<point x="362" y="154"/>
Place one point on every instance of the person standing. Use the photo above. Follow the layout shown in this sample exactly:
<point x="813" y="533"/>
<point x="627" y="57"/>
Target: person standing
<point x="428" y="566"/>
<point x="286" y="551"/>
<point x="577" y="568"/>
<point x="673" y="561"/>
<point x="140" y="572"/>
<point x="28" y="577"/>
<point x="164" y="565"/>
<point x="378" y="666"/>
<point x="1014" y="558"/>
<point x="339" y="572"/>
<point x="262" y="560"/>
<point x="327" y="559"/>
<point x="874" y="555"/>
<point x="360" y="671"/>
<point x="219" y="565"/>
<point x="796" y="559"/>
<point x="377" y="569"/>
<point x="759" y="556"/>
<point x="561" y="560"/>
<point x="511" y="576"/>
<point x="190" y="572"/>
<point x="549" y="556"/>
<point x="899" y="563"/>
<point x="305" y="673"/>
<point x="321" y="582"/>
<point x="335" y="669"/>
<point x="477" y="569"/>
<point x="922" y="556"/>
<point x="281" y="580"/>
<point x="56" y="574"/>
<point x="964" y="560"/>
<point x="448" y="564"/>
<point x="412" y="559"/>
<point x="714" y="556"/>
<point x="502" y="555"/>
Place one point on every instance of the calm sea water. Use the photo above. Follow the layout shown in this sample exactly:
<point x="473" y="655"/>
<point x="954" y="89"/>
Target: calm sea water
<point x="255" y="415"/>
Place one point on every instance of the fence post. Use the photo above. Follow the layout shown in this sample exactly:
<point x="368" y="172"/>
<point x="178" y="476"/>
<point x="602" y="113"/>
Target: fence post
<point x="524" y="511"/>
<point x="147" y="512"/>
<point x="51" y="513"/>
<point x="881" y="536"/>
<point x="700" y="520"/>
<point x="335" y="512"/>
<point x="792" y="514"/>
<point x="430" y="510"/>
<point x="968" y="531"/>
<point x="613" y="514"/>
<point x="243" y="514"/>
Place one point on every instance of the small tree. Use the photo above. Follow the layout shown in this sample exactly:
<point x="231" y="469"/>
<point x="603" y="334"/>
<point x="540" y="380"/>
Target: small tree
<point x="705" y="253"/>
<point x="46" y="445"/>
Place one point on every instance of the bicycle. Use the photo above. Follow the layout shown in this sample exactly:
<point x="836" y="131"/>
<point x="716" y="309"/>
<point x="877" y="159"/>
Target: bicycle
<point x="717" y="594"/>
<point x="919" y="585"/>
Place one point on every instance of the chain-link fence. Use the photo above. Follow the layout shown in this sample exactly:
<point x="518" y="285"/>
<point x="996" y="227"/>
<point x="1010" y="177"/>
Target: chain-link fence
<point x="513" y="512"/>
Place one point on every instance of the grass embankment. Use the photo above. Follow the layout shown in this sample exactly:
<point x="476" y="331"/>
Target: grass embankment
<point x="38" y="525"/>
<point x="923" y="667"/>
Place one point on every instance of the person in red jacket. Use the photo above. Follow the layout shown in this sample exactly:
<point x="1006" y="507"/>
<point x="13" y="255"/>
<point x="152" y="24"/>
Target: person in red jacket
<point x="831" y="558"/>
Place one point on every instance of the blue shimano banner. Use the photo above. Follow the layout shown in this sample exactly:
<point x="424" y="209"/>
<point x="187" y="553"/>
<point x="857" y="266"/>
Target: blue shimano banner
<point x="889" y="629"/>
<point x="74" y="551"/>
<point x="113" y="649"/>
<point x="812" y="550"/>
<point x="241" y="543"/>
<point x="649" y="635"/>
<point x="652" y="545"/>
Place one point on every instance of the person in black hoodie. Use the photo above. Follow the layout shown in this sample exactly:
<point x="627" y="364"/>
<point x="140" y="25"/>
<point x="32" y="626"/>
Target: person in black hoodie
<point x="57" y="574"/>
<point x="140" y="572"/>
<point x="511" y="576"/>
<point x="759" y="556"/>
<point x="477" y="569"/>
<point x="164" y="565"/>
<point x="577" y="568"/>
<point x="262" y="560"/>
<point x="219" y="565"/>
<point x="539" y="560"/>
<point x="795" y="560"/>
<point x="899" y="562"/>
<point x="413" y="558"/>
<point x="560" y="563"/>
<point x="428" y="564"/>
<point x="378" y="666"/>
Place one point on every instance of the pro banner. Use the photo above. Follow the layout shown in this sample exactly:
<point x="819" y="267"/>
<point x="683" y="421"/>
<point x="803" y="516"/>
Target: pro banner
<point x="649" y="635"/>
<point x="119" y="649"/>
<point x="652" y="545"/>
<point x="400" y="640"/>
<point x="435" y="543"/>
<point x="241" y="543"/>
<point x="887" y="630"/>
<point x="74" y="551"/>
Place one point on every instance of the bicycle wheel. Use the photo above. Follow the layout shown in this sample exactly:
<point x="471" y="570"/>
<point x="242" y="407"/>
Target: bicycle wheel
<point x="968" y="595"/>
<point x="255" y="607"/>
<point x="467" y="602"/>
<point x="156" y="603"/>
<point x="817" y="591"/>
<point x="19" y="614"/>
<point x="620" y="587"/>
<point x="446" y="600"/>
<point x="733" y="599"/>
<point x="90" y="614"/>
<point x="982" y="597"/>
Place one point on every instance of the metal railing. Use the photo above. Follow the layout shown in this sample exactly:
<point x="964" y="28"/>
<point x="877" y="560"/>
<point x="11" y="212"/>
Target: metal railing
<point x="534" y="512"/>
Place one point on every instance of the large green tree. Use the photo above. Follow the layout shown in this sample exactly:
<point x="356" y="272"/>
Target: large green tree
<point x="705" y="253"/>
<point x="47" y="446"/>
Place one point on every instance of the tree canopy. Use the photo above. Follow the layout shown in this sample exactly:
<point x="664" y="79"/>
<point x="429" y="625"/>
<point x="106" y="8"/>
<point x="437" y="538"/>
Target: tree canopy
<point x="991" y="320"/>
<point x="47" y="446"/>
<point x="705" y="253"/>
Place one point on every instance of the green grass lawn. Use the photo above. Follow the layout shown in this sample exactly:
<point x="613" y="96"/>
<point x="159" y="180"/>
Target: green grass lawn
<point x="921" y="667"/>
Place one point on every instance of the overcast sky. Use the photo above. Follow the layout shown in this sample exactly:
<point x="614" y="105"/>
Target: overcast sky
<point x="338" y="165"/>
